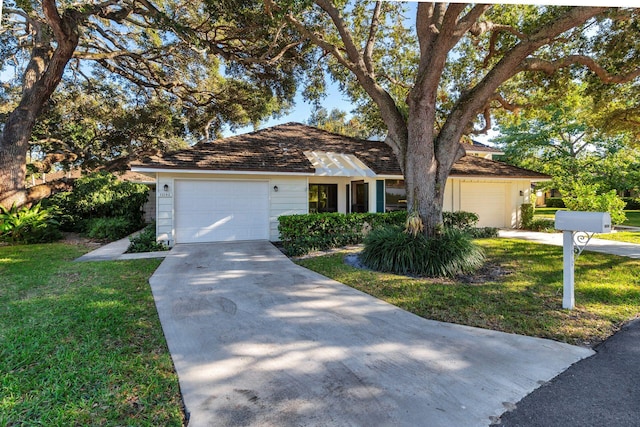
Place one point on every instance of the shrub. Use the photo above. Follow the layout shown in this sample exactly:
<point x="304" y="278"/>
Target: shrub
<point x="452" y="253"/>
<point x="301" y="234"/>
<point x="460" y="220"/>
<point x="527" y="211"/>
<point x="585" y="198"/>
<point x="555" y="202"/>
<point x="108" y="228"/>
<point x="146" y="241"/>
<point x="631" y="203"/>
<point x="28" y="225"/>
<point x="100" y="195"/>
<point x="542" y="224"/>
<point x="482" y="232"/>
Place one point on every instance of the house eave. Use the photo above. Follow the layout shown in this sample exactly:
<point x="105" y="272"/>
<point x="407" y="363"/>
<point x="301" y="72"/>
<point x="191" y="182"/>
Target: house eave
<point x="143" y="169"/>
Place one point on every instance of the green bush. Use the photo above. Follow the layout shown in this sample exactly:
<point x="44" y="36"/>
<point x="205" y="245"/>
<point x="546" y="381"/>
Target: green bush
<point x="527" y="211"/>
<point x="586" y="198"/>
<point x="631" y="203"/>
<point x="555" y="202"/>
<point x="482" y="232"/>
<point x="108" y="228"/>
<point x="301" y="234"/>
<point x="542" y="224"/>
<point x="146" y="241"/>
<point x="28" y="225"/>
<point x="452" y="253"/>
<point x="460" y="220"/>
<point x="100" y="195"/>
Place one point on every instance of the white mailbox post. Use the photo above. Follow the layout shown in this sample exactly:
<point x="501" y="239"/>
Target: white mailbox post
<point x="577" y="230"/>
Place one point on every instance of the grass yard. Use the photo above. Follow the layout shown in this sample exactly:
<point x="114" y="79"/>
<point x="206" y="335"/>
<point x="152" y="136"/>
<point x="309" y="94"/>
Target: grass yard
<point x="525" y="299"/>
<point x="81" y="343"/>
<point x="633" y="218"/>
<point x="621" y="236"/>
<point x="546" y="213"/>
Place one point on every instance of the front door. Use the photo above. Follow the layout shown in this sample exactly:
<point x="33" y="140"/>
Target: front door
<point x="359" y="196"/>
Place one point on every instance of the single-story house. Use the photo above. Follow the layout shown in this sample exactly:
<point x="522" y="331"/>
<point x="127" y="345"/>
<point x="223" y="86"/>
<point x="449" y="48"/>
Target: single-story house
<point x="236" y="188"/>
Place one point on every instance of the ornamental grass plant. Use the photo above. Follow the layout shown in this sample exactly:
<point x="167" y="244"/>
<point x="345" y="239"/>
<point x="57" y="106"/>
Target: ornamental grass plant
<point x="450" y="254"/>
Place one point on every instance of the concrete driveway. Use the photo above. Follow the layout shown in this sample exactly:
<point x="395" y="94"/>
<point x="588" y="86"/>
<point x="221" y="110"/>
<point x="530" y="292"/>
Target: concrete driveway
<point x="259" y="341"/>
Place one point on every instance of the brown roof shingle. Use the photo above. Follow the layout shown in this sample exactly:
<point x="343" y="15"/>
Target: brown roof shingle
<point x="280" y="149"/>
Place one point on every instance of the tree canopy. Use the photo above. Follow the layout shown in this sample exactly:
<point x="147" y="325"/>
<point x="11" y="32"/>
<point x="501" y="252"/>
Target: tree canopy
<point x="213" y="63"/>
<point x="565" y="138"/>
<point x="432" y="78"/>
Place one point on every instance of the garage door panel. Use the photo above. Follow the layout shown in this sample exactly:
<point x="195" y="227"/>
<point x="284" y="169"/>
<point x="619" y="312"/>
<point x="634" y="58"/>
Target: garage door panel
<point x="487" y="200"/>
<point x="209" y="211"/>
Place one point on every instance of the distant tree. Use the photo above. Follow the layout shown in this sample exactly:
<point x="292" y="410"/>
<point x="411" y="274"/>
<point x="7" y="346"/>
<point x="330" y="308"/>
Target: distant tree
<point x="566" y="139"/>
<point x="336" y="121"/>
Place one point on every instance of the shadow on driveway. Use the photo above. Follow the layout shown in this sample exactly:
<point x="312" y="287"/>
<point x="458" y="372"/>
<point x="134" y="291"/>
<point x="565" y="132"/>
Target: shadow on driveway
<point x="260" y="341"/>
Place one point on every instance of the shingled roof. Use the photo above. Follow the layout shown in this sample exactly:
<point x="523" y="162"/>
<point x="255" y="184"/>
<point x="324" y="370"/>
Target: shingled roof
<point x="280" y="149"/>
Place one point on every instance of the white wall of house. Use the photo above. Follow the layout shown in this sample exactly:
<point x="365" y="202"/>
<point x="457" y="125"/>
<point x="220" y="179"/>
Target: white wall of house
<point x="496" y="201"/>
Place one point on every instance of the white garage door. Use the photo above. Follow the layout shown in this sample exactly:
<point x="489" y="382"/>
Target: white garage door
<point x="215" y="211"/>
<point x="488" y="200"/>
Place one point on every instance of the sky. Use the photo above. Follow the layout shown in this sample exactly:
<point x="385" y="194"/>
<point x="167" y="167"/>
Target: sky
<point x="301" y="111"/>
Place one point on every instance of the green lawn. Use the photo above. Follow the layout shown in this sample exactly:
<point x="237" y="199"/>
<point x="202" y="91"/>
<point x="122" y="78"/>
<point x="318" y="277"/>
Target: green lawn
<point x="622" y="236"/>
<point x="81" y="343"/>
<point x="548" y="213"/>
<point x="633" y="218"/>
<point x="527" y="300"/>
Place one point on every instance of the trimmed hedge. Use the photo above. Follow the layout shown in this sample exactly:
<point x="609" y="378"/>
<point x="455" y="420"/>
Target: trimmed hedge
<point x="301" y="234"/>
<point x="555" y="202"/>
<point x="527" y="211"/>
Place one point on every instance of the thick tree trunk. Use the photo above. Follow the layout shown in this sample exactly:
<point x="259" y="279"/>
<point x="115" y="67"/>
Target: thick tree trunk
<point x="14" y="145"/>
<point x="427" y="167"/>
<point x="41" y="78"/>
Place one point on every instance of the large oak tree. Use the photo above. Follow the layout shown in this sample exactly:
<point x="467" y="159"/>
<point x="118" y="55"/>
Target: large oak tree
<point x="429" y="79"/>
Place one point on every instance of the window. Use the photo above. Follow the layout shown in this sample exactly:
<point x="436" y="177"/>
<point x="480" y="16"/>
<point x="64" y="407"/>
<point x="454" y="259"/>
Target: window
<point x="323" y="198"/>
<point x="395" y="195"/>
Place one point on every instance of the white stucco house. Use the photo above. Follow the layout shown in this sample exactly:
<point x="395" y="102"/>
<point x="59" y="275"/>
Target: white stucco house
<point x="236" y="188"/>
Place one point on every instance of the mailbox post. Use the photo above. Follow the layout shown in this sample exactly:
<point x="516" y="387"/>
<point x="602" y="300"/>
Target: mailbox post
<point x="577" y="230"/>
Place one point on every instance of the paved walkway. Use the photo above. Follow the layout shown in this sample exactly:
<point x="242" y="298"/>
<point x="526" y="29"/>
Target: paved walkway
<point x="595" y="245"/>
<point x="260" y="341"/>
<point x="116" y="251"/>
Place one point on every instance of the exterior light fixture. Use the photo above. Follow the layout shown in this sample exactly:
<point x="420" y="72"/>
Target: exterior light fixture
<point x="275" y="188"/>
<point x="166" y="187"/>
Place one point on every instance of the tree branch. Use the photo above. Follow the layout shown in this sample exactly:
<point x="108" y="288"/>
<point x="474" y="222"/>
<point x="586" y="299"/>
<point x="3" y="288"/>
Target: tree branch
<point x="550" y="67"/>
<point x="373" y="29"/>
<point x="510" y="64"/>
